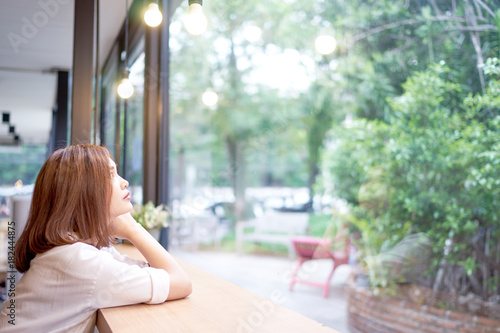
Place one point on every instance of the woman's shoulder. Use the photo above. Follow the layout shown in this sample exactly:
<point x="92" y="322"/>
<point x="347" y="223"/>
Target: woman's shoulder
<point x="74" y="247"/>
<point x="69" y="254"/>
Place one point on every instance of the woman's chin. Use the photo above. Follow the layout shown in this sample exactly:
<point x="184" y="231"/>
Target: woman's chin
<point x="125" y="209"/>
<point x="129" y="208"/>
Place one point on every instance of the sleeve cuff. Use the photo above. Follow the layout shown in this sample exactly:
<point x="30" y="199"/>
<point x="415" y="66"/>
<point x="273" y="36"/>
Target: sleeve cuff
<point x="160" y="285"/>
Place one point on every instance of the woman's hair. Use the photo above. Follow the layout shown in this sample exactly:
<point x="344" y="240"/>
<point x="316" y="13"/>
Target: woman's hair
<point x="70" y="203"/>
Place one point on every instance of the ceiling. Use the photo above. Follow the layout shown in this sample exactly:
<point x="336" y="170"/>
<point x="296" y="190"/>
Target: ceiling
<point x="36" y="39"/>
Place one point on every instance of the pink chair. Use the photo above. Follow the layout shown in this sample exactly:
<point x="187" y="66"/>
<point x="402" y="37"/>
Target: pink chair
<point x="311" y="248"/>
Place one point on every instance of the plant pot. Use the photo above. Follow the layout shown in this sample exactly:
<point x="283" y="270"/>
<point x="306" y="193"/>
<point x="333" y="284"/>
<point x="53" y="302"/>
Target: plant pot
<point x="362" y="280"/>
<point x="155" y="232"/>
<point x="370" y="313"/>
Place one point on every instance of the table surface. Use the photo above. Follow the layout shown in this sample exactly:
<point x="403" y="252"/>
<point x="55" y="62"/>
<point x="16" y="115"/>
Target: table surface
<point x="215" y="305"/>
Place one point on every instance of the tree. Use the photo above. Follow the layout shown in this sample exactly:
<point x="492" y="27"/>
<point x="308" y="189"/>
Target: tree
<point x="386" y="41"/>
<point x="252" y="116"/>
<point x="21" y="164"/>
<point x="433" y="169"/>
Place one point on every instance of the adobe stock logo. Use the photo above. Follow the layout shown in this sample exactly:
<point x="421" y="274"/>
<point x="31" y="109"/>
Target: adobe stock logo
<point x="31" y="26"/>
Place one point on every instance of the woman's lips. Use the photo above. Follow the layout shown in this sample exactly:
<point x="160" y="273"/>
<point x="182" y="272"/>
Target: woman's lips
<point x="127" y="197"/>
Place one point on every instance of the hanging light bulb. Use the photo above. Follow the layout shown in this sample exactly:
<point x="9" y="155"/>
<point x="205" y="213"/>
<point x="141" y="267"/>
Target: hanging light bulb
<point x="153" y="16"/>
<point x="252" y="33"/>
<point x="125" y="88"/>
<point x="325" y="44"/>
<point x="195" y="22"/>
<point x="210" y="98"/>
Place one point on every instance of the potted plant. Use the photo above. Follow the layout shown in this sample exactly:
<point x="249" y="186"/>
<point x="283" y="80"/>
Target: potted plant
<point x="151" y="217"/>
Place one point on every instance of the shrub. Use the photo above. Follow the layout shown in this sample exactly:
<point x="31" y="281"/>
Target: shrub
<point x="433" y="169"/>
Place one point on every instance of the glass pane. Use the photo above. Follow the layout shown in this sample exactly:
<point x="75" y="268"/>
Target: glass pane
<point x="384" y="132"/>
<point x="134" y="131"/>
<point x="108" y="130"/>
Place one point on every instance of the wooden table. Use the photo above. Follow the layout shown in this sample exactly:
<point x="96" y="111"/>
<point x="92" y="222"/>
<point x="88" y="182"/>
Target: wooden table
<point x="214" y="306"/>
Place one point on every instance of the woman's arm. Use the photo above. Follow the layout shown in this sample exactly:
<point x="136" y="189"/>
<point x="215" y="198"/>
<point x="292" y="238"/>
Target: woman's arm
<point x="127" y="228"/>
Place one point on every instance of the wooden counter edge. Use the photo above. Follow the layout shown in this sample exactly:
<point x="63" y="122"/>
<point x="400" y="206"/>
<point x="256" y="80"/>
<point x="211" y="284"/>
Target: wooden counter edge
<point x="103" y="326"/>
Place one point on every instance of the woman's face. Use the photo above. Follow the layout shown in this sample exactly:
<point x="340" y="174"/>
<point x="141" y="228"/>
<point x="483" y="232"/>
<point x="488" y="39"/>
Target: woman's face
<point x="120" y="196"/>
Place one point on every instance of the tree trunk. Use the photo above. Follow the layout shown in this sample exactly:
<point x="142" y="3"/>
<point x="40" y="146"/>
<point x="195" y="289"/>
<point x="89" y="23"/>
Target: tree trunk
<point x="313" y="173"/>
<point x="236" y="176"/>
<point x="471" y="19"/>
<point x="484" y="265"/>
<point x="497" y="271"/>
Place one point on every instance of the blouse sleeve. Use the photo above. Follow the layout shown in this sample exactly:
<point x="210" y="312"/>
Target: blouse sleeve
<point x="123" y="257"/>
<point x="126" y="281"/>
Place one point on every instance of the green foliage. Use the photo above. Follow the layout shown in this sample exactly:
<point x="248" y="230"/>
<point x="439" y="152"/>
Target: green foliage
<point x="488" y="104"/>
<point x="434" y="169"/>
<point x="251" y="137"/>
<point x="398" y="264"/>
<point x="318" y="224"/>
<point x="424" y="156"/>
<point x="23" y="164"/>
<point x="355" y="151"/>
<point x="259" y="135"/>
<point x="319" y="112"/>
<point x="150" y="216"/>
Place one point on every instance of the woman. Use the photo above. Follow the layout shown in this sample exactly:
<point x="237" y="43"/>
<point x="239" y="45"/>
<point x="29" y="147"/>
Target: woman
<point x="79" y="206"/>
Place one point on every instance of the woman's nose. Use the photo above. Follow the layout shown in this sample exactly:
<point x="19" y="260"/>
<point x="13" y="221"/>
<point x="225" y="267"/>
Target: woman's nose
<point x="124" y="183"/>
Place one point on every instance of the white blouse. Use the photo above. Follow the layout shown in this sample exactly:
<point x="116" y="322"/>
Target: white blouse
<point x="64" y="287"/>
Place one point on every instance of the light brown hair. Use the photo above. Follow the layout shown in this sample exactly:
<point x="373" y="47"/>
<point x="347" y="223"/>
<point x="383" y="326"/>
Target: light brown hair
<point x="70" y="203"/>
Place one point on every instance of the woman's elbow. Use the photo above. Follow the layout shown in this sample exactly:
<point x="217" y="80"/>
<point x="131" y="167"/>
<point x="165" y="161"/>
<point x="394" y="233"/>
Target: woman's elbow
<point x="180" y="288"/>
<point x="188" y="288"/>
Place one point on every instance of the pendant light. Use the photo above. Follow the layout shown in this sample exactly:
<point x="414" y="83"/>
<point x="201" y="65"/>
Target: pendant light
<point x="325" y="44"/>
<point x="125" y="88"/>
<point x="153" y="16"/>
<point x="196" y="22"/>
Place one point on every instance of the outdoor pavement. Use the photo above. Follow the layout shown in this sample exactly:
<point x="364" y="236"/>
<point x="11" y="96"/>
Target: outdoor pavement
<point x="269" y="277"/>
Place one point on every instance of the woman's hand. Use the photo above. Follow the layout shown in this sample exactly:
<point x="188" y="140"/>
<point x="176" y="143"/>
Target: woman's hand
<point x="124" y="226"/>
